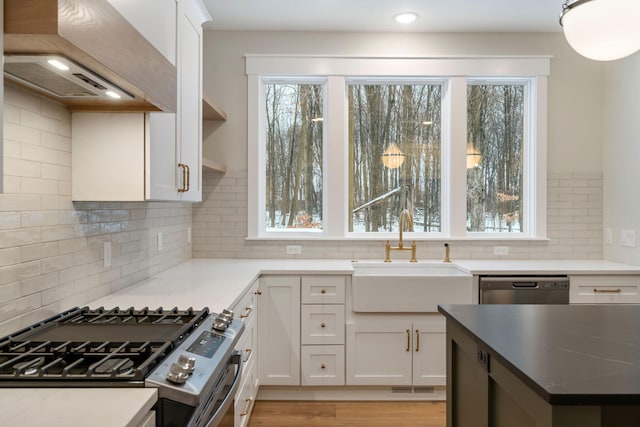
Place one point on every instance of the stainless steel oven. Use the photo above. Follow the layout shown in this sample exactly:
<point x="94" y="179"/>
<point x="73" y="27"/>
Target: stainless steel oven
<point x="187" y="355"/>
<point x="524" y="290"/>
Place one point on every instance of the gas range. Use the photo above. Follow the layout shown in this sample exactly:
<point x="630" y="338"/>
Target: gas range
<point x="187" y="355"/>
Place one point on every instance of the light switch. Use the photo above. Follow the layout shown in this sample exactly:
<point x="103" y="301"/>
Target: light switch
<point x="608" y="236"/>
<point x="160" y="241"/>
<point x="294" y="249"/>
<point x="501" y="250"/>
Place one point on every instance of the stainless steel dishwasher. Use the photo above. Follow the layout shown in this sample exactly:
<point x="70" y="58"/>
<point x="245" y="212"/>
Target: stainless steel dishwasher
<point x="524" y="290"/>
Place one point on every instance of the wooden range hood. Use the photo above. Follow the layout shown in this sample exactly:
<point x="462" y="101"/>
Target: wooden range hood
<point x="95" y="36"/>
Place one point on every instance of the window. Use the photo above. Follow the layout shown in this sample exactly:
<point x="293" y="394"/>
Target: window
<point x="294" y="163"/>
<point x="495" y="151"/>
<point x="394" y="155"/>
<point x="339" y="146"/>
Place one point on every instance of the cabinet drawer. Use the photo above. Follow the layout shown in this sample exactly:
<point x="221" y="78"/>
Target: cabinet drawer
<point x="247" y="343"/>
<point x="149" y="420"/>
<point x="604" y="290"/>
<point x="322" y="324"/>
<point x="323" y="289"/>
<point x="245" y="398"/>
<point x="245" y="308"/>
<point x="322" y="365"/>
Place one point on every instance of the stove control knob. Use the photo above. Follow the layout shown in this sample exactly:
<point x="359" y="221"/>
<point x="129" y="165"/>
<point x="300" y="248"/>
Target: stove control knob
<point x="228" y="313"/>
<point x="177" y="374"/>
<point x="220" y="324"/>
<point x="188" y="363"/>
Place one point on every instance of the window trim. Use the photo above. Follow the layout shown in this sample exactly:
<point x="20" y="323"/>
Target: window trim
<point x="337" y="70"/>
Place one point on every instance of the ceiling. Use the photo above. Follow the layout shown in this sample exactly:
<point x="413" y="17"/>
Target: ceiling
<point x="377" y="15"/>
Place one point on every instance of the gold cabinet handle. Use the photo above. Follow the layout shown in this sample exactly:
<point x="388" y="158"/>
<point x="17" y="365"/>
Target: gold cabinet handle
<point x="408" y="340"/>
<point x="417" y="339"/>
<point x="246" y="312"/>
<point x="322" y="325"/>
<point x="183" y="187"/>
<point x="323" y="366"/>
<point x="258" y="292"/>
<point x="188" y="178"/>
<point x="247" y="351"/>
<point x="607" y="291"/>
<point x="323" y="291"/>
<point x="245" y="411"/>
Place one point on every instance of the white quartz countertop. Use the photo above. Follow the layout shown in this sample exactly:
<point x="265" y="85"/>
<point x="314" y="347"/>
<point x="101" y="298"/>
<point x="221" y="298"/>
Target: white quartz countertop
<point x="212" y="283"/>
<point x="217" y="283"/>
<point x="75" y="407"/>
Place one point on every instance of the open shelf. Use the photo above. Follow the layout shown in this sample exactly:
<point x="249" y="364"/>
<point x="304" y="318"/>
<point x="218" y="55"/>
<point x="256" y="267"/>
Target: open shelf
<point x="210" y="111"/>
<point x="213" y="165"/>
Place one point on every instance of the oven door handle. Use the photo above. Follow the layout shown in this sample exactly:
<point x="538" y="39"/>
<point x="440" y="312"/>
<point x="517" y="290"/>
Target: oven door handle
<point x="236" y="359"/>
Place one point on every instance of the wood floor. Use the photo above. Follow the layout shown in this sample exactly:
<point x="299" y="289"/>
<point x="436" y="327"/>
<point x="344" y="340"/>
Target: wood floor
<point x="347" y="414"/>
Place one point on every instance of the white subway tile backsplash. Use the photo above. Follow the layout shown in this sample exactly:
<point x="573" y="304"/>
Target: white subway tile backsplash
<point x="574" y="224"/>
<point x="51" y="247"/>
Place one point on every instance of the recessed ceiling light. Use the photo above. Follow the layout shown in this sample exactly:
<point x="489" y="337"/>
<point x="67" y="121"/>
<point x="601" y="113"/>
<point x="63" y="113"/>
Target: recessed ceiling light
<point x="405" y="17"/>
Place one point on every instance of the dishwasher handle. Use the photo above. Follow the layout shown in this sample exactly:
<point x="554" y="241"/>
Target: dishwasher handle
<point x="524" y="285"/>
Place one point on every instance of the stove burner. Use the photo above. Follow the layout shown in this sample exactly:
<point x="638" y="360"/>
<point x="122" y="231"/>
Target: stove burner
<point x="30" y="367"/>
<point x="115" y="366"/>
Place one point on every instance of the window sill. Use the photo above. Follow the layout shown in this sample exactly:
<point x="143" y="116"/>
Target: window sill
<point x="394" y="237"/>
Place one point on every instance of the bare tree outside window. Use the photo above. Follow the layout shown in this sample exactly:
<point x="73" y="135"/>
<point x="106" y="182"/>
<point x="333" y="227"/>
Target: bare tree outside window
<point x="294" y="144"/>
<point x="495" y="143"/>
<point x="400" y="123"/>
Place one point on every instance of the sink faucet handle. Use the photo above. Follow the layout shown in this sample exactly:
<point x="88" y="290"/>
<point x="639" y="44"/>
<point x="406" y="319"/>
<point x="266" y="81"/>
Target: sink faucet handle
<point x="447" y="251"/>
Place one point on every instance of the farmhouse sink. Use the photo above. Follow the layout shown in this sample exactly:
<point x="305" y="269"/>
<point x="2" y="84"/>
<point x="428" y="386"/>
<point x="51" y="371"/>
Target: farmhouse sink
<point x="408" y="287"/>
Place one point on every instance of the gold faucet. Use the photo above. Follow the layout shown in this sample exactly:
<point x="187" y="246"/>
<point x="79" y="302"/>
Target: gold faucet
<point x="388" y="248"/>
<point x="447" y="250"/>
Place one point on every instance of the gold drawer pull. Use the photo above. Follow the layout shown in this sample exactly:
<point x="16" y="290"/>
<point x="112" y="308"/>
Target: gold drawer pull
<point x="417" y="339"/>
<point x="245" y="411"/>
<point x="323" y="291"/>
<point x="258" y="292"/>
<point x="607" y="291"/>
<point x="247" y="312"/>
<point x="248" y="353"/>
<point x="322" y="325"/>
<point x="408" y="340"/>
<point x="323" y="366"/>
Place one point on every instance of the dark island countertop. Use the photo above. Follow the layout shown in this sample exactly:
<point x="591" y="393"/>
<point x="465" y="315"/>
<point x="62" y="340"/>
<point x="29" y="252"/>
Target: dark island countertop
<point x="567" y="354"/>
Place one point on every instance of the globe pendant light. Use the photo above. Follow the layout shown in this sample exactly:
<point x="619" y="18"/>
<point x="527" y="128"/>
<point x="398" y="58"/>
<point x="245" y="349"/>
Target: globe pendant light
<point x="392" y="157"/>
<point x="603" y="30"/>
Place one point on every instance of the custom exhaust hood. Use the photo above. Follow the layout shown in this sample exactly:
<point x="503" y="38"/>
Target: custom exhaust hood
<point x="85" y="55"/>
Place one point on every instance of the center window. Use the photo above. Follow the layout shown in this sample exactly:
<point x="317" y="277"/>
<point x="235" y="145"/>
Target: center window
<point x="394" y="155"/>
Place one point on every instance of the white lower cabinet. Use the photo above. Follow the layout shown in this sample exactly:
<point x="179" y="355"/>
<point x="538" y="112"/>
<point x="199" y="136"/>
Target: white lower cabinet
<point x="603" y="289"/>
<point x="279" y="335"/>
<point x="302" y="334"/>
<point x="396" y="350"/>
<point x="149" y="420"/>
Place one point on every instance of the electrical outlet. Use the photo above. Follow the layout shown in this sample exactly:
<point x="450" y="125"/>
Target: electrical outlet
<point x="501" y="250"/>
<point x="188" y="234"/>
<point x="608" y="236"/>
<point x="107" y="254"/>
<point x="294" y="249"/>
<point x="160" y="241"/>
<point x="628" y="238"/>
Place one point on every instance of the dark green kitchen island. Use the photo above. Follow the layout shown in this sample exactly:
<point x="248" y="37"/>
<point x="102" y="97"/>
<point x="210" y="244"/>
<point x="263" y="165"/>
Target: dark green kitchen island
<point x="543" y="365"/>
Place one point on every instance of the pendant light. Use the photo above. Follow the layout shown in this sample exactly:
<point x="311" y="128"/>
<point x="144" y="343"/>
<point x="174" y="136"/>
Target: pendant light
<point x="392" y="157"/>
<point x="603" y="30"/>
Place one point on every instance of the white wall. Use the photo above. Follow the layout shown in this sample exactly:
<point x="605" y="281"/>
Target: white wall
<point x="574" y="129"/>
<point x="621" y="155"/>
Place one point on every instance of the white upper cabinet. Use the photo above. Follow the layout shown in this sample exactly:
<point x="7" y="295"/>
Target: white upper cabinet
<point x="164" y="150"/>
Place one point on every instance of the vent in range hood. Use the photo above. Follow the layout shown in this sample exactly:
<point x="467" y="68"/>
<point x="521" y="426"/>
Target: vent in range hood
<point x="60" y="77"/>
